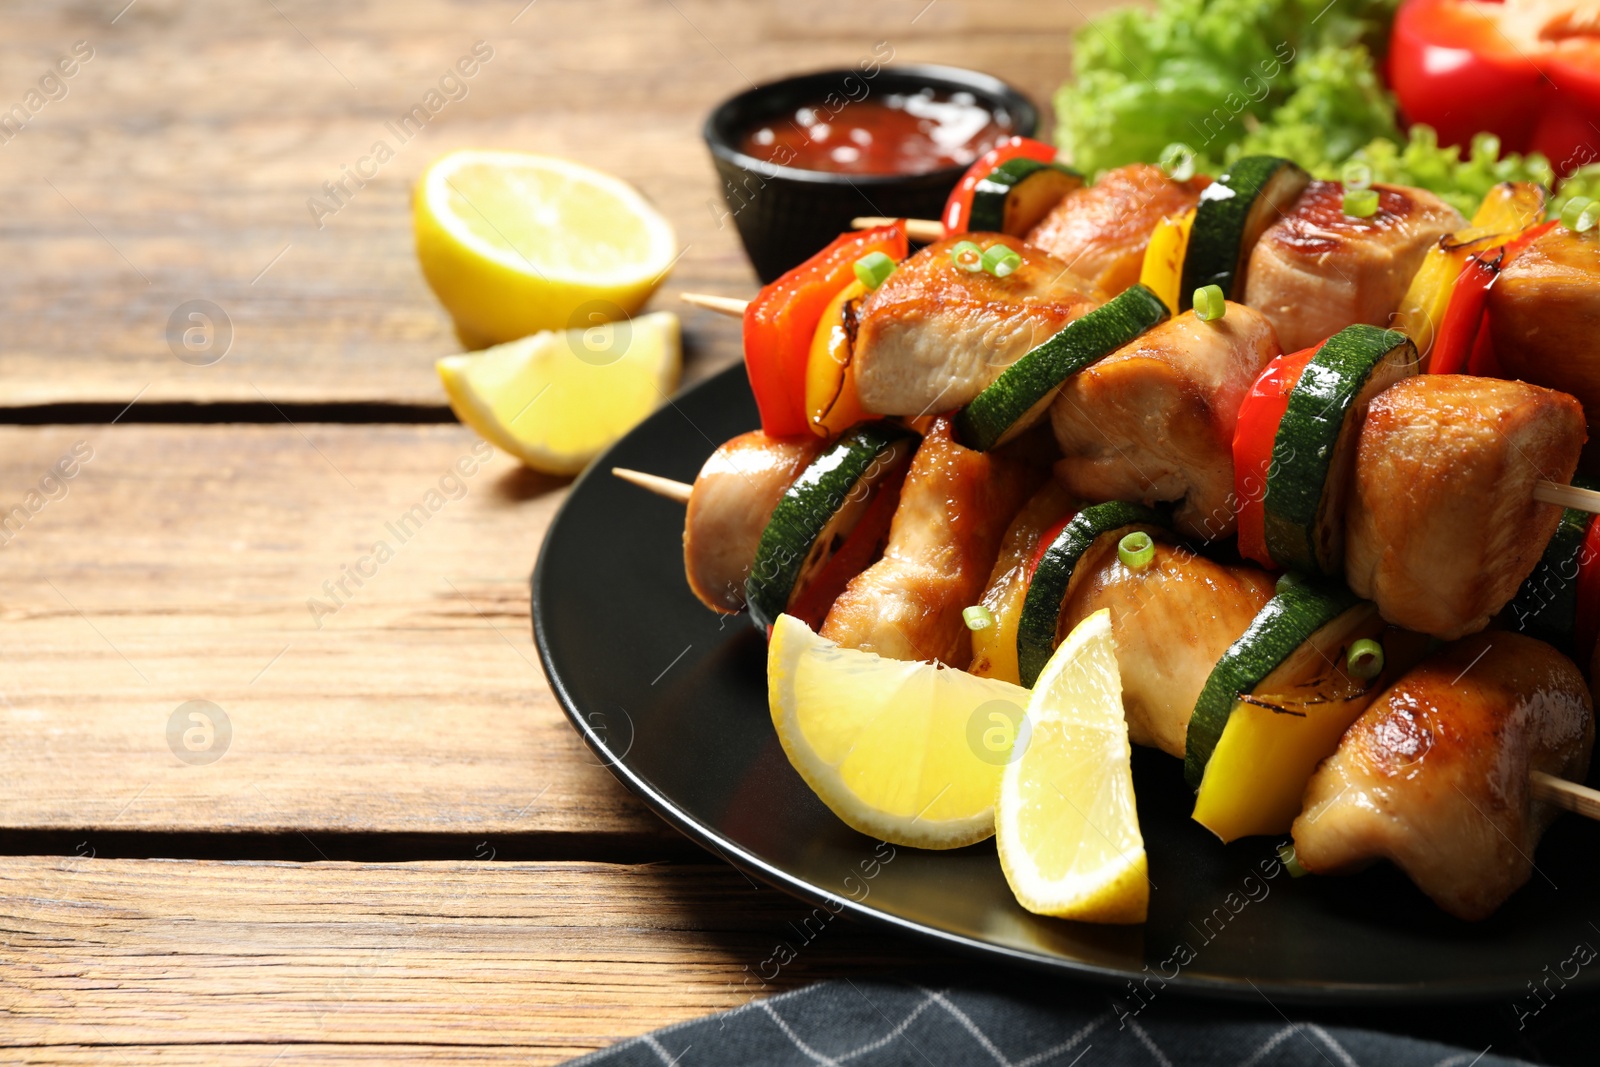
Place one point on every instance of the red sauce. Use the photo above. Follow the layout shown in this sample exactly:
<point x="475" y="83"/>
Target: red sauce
<point x="901" y="133"/>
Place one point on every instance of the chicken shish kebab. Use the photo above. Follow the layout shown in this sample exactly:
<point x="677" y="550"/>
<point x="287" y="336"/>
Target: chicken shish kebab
<point x="1435" y="775"/>
<point x="1435" y="495"/>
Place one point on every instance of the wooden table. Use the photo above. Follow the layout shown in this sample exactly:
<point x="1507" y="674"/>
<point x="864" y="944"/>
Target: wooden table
<point x="400" y="850"/>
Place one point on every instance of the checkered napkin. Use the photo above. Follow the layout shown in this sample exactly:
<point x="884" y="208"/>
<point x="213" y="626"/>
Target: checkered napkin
<point x="875" y="1024"/>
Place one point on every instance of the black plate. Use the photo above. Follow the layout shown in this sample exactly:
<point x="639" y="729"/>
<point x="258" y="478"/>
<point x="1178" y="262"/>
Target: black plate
<point x="673" y="699"/>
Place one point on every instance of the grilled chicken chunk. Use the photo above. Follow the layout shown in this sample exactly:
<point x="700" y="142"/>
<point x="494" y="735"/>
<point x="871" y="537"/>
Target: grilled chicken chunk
<point x="733" y="498"/>
<point x="1171" y="622"/>
<point x="1441" y="527"/>
<point x="1543" y="310"/>
<point x="1100" y="231"/>
<point x="933" y="336"/>
<point x="1154" y="420"/>
<point x="1317" y="270"/>
<point x="954" y="507"/>
<point x="1434" y="775"/>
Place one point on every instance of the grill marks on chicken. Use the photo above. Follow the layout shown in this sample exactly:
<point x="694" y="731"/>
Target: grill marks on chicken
<point x="1100" y="231"/>
<point x="1441" y="527"/>
<point x="954" y="508"/>
<point x="733" y="498"/>
<point x="1171" y="622"/>
<point x="1317" y="270"/>
<point x="933" y="336"/>
<point x="1154" y="420"/>
<point x="1434" y="775"/>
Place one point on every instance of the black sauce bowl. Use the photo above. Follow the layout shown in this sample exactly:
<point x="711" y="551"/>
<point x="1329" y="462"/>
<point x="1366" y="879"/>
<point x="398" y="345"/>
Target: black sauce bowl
<point x="785" y="214"/>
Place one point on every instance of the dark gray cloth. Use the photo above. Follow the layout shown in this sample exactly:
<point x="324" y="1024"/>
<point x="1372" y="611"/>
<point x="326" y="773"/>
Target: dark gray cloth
<point x="878" y="1023"/>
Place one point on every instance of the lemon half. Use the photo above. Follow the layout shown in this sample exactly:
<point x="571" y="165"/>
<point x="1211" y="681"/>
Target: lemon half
<point x="557" y="399"/>
<point x="513" y="243"/>
<point x="907" y="752"/>
<point x="1066" y="827"/>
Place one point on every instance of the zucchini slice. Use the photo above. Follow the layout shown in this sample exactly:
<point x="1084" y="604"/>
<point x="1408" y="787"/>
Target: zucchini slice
<point x="1234" y="211"/>
<point x="1314" y="451"/>
<point x="1255" y="779"/>
<point x="1279" y="631"/>
<point x="817" y="513"/>
<point x="1018" y="194"/>
<point x="1047" y="590"/>
<point x="1022" y="393"/>
<point x="1546" y="606"/>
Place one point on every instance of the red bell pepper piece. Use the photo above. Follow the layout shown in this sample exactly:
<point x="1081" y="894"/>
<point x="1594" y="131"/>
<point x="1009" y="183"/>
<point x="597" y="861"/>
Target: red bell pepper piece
<point x="1458" y="330"/>
<point x="863" y="544"/>
<point x="1586" y="624"/>
<point x="1254" y="435"/>
<point x="1047" y="539"/>
<point x="958" y="209"/>
<point x="1462" y="66"/>
<point x="780" y="321"/>
<point x="1465" y="344"/>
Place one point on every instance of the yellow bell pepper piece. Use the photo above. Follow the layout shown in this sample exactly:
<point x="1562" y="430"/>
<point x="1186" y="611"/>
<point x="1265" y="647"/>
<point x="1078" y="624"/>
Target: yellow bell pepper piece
<point x="832" y="404"/>
<point x="1162" y="272"/>
<point x="1256" y="778"/>
<point x="1509" y="208"/>
<point x="994" y="648"/>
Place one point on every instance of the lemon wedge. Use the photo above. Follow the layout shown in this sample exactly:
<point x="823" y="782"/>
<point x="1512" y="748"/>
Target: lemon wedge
<point x="557" y="399"/>
<point x="1066" y="827"/>
<point x="515" y="243"/>
<point x="906" y="752"/>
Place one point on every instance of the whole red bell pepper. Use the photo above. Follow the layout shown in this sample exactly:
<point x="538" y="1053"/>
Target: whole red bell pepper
<point x="780" y="321"/>
<point x="1528" y="73"/>
<point x="958" y="209"/>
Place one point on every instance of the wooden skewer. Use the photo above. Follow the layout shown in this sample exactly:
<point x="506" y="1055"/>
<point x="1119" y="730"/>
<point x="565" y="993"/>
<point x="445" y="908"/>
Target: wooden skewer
<point x="922" y="231"/>
<point x="1568" y="496"/>
<point x="722" y="305"/>
<point x="658" y="485"/>
<point x="1569" y="796"/>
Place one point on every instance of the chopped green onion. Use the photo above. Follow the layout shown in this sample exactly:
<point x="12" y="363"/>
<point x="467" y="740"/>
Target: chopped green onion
<point x="1001" y="261"/>
<point x="1365" y="659"/>
<point x="873" y="268"/>
<point x="1286" y="580"/>
<point x="1177" y="160"/>
<point x="1291" y="862"/>
<point x="1209" y="304"/>
<point x="967" y="256"/>
<point x="1362" y="203"/>
<point x="977" y="617"/>
<point x="1136" y="550"/>
<point x="1580" y="214"/>
<point x="1357" y="175"/>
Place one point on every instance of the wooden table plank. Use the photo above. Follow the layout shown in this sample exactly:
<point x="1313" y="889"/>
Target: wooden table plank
<point x="180" y="164"/>
<point x="179" y="565"/>
<point x="234" y="962"/>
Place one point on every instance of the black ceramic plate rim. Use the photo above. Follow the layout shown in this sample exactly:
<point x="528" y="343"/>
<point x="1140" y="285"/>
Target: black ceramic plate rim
<point x="935" y="74"/>
<point x="1293" y="992"/>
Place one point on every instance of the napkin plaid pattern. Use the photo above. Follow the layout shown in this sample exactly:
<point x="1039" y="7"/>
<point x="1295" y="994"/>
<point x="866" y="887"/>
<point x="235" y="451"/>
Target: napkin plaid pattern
<point x="876" y="1024"/>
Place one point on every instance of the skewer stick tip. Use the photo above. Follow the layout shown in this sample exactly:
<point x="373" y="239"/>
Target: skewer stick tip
<point x="1567" y="496"/>
<point x="1569" y="796"/>
<point x="922" y="231"/>
<point x="656" y="484"/>
<point x="722" y="305"/>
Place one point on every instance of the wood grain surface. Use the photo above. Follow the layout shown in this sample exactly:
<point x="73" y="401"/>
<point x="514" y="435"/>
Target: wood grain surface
<point x="177" y="163"/>
<point x="477" y="962"/>
<point x="178" y="566"/>
<point x="181" y="161"/>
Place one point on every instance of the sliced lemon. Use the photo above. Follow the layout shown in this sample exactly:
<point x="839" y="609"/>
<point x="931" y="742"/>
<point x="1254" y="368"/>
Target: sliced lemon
<point x="905" y="752"/>
<point x="1066" y="827"/>
<point x="557" y="399"/>
<point x="515" y="243"/>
